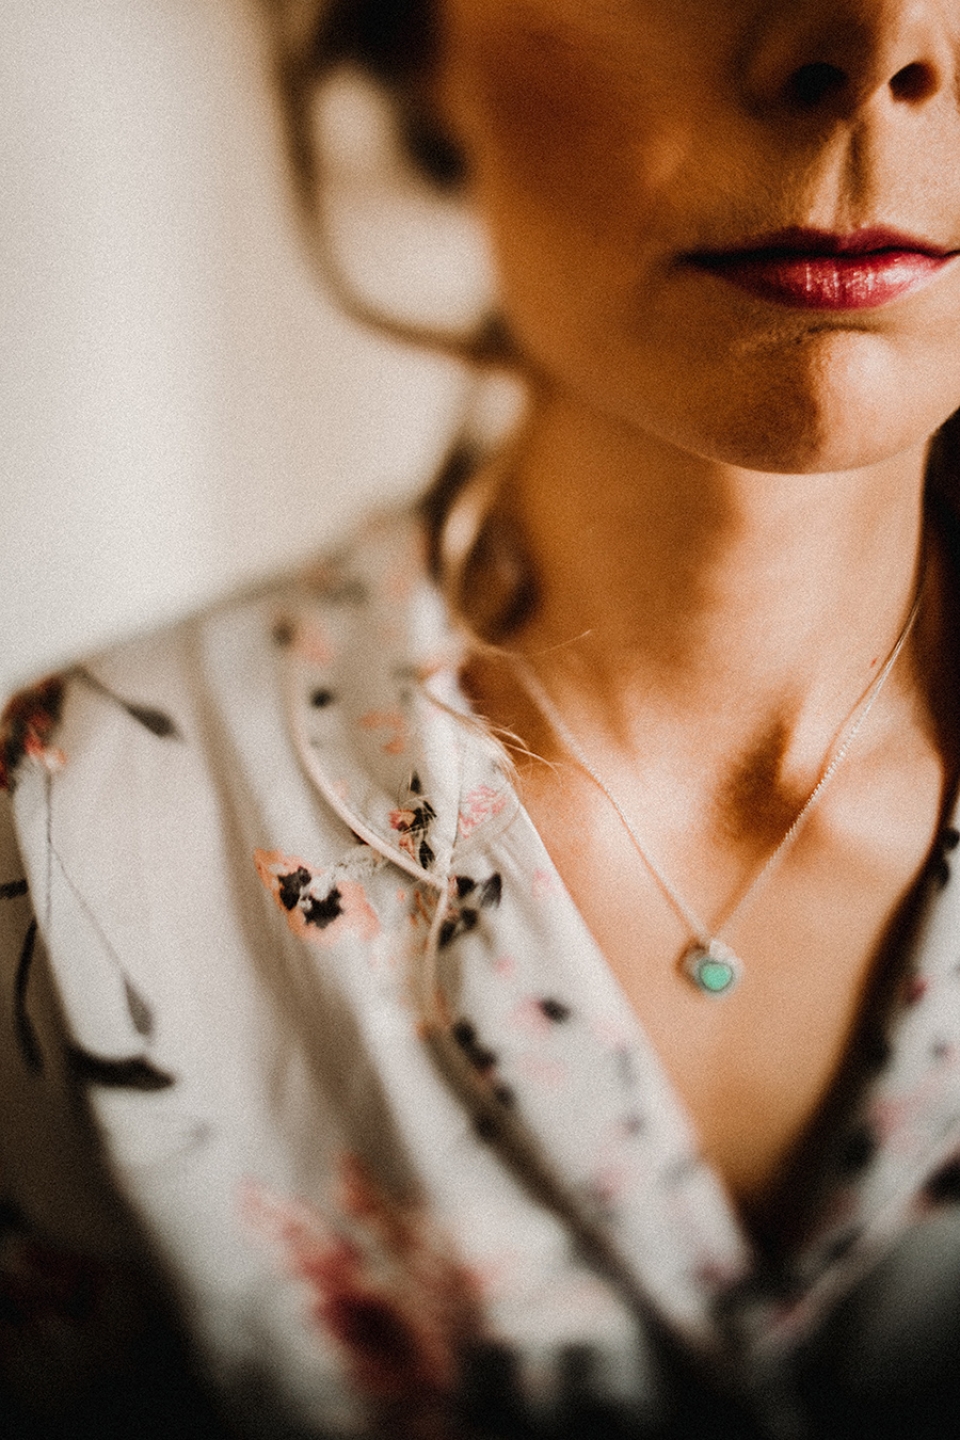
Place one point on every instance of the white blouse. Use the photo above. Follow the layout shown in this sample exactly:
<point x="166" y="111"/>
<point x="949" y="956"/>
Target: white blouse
<point x="323" y="1115"/>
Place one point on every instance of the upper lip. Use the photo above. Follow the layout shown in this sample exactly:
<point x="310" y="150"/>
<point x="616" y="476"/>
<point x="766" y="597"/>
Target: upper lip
<point x="801" y="241"/>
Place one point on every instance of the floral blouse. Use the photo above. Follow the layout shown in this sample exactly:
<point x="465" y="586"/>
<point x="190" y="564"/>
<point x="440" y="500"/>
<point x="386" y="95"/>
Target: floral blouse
<point x="323" y="1116"/>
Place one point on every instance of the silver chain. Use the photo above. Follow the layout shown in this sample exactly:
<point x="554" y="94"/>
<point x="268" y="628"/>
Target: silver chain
<point x="836" y="754"/>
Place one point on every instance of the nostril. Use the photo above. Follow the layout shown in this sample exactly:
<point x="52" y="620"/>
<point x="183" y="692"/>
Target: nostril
<point x="916" y="81"/>
<point x="812" y="84"/>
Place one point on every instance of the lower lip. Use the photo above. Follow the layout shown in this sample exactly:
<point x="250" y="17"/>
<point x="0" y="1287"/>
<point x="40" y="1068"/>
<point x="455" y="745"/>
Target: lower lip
<point x="827" y="282"/>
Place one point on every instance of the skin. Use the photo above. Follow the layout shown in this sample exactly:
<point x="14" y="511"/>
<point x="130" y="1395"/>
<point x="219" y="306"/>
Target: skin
<point x="723" y="501"/>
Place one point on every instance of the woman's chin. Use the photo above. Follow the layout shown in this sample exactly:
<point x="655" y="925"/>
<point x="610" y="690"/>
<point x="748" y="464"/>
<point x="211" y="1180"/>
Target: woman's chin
<point x="780" y="445"/>
<point x="774" y="446"/>
<point x="845" y="406"/>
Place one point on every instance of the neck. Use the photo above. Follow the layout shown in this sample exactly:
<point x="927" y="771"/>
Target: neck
<point x="704" y="586"/>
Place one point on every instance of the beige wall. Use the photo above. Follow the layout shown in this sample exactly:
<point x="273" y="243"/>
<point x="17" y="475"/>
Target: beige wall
<point x="180" y="409"/>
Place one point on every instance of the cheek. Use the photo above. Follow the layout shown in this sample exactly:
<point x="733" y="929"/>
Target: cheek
<point x="566" y="124"/>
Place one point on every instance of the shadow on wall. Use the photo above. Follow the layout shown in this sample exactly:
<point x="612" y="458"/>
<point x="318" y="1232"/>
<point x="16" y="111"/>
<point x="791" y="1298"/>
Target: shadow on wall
<point x="180" y="408"/>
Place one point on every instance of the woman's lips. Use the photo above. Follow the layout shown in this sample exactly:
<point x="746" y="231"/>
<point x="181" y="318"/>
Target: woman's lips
<point x="816" y="270"/>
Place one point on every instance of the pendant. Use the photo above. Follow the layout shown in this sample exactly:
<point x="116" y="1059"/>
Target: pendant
<point x="713" y="968"/>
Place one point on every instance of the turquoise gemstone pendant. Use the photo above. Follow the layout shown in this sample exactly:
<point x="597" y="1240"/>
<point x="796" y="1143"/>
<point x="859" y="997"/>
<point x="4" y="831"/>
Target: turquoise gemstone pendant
<point x="712" y="968"/>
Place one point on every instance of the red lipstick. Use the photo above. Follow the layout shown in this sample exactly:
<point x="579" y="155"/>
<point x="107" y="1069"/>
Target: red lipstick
<point x="816" y="270"/>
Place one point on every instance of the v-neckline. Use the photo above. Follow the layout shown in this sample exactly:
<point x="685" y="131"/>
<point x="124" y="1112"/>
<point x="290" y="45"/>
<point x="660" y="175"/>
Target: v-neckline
<point x="674" y="1107"/>
<point x="844" y="1092"/>
<point x="853" y="1220"/>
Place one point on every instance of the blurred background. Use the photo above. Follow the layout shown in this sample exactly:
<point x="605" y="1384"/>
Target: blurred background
<point x="182" y="409"/>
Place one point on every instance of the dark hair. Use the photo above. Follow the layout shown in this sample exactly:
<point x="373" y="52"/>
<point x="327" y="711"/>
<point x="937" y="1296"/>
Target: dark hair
<point x="393" y="41"/>
<point x="396" y="43"/>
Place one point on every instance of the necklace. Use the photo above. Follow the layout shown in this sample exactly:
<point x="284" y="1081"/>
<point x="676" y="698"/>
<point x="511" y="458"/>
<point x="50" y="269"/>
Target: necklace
<point x="707" y="961"/>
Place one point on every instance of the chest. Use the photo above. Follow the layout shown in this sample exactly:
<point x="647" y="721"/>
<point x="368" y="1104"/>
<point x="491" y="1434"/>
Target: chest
<point x="821" y="944"/>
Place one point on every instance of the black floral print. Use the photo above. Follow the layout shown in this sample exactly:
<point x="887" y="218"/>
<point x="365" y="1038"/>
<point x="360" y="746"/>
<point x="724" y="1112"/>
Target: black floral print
<point x="412" y="820"/>
<point x="157" y="721"/>
<point x="523" y="1032"/>
<point x="943" y="1188"/>
<point x="23" y="1026"/>
<point x="467" y="899"/>
<point x="26" y="1034"/>
<point x="483" y="1060"/>
<point x="29" y="720"/>
<point x="133" y="1073"/>
<point x="554" y="1010"/>
<point x="321" y="906"/>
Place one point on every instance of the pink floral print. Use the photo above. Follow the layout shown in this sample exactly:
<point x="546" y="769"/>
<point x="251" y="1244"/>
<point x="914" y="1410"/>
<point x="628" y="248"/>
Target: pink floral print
<point x="26" y="729"/>
<point x="385" y="1286"/>
<point x="481" y="804"/>
<point x="394" y="725"/>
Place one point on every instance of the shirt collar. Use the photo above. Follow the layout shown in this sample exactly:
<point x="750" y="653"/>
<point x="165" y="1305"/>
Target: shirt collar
<point x="371" y="661"/>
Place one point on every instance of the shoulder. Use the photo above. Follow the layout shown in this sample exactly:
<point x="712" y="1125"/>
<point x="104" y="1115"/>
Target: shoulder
<point x="171" y="793"/>
<point x="133" y="772"/>
<point x="146" y="694"/>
